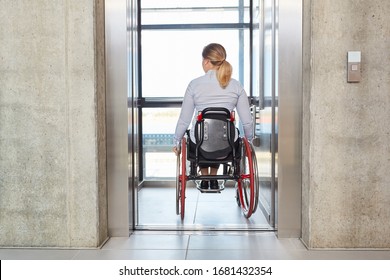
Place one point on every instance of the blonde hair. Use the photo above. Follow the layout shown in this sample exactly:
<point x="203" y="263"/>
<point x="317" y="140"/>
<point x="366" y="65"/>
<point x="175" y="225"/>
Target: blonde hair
<point x="216" y="53"/>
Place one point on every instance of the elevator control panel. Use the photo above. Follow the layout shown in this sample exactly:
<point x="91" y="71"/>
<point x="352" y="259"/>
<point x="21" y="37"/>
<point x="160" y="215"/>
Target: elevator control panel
<point x="354" y="74"/>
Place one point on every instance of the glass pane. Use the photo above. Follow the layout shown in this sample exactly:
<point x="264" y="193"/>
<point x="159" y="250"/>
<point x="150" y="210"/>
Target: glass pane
<point x="267" y="56"/>
<point x="157" y="138"/>
<point x="191" y="12"/>
<point x="256" y="55"/>
<point x="172" y="58"/>
<point x="189" y="3"/>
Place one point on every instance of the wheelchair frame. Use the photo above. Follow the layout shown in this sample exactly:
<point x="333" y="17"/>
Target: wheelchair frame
<point x="241" y="168"/>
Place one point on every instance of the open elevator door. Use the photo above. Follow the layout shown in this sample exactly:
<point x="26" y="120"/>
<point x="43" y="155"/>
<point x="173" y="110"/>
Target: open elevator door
<point x="167" y="53"/>
<point x="265" y="90"/>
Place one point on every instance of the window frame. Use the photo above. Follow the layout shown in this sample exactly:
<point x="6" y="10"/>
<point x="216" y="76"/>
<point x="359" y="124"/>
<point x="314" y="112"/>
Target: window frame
<point x="175" y="102"/>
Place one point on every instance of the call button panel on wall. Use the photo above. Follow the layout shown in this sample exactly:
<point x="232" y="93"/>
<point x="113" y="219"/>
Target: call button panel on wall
<point x="354" y="69"/>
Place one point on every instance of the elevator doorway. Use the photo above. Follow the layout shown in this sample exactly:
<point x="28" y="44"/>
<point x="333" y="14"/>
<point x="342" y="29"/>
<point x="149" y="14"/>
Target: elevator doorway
<point x="171" y="36"/>
<point x="133" y="73"/>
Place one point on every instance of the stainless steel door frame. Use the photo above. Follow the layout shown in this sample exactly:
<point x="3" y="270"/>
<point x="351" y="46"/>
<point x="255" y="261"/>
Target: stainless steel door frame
<point x="120" y="164"/>
<point x="290" y="20"/>
<point x="267" y="94"/>
<point x="120" y="123"/>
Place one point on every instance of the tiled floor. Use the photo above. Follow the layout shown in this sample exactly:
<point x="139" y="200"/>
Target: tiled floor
<point x="196" y="246"/>
<point x="213" y="229"/>
<point x="157" y="209"/>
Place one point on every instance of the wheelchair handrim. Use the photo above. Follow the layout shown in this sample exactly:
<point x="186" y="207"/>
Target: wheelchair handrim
<point x="247" y="206"/>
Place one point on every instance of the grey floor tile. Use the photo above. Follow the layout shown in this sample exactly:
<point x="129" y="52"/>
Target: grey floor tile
<point x="157" y="208"/>
<point x="279" y="255"/>
<point x="223" y="255"/>
<point x="37" y="254"/>
<point x="149" y="241"/>
<point x="164" y="213"/>
<point x="235" y="242"/>
<point x="131" y="255"/>
<point x="227" y="195"/>
<point x="292" y="244"/>
<point x="221" y="213"/>
<point x="218" y="242"/>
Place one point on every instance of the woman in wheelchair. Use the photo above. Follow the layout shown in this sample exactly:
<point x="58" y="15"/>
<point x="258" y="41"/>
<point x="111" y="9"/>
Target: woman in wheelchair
<point x="216" y="88"/>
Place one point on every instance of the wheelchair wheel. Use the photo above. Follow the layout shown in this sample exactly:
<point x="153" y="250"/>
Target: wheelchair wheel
<point x="256" y="179"/>
<point x="181" y="180"/>
<point x="178" y="187"/>
<point x="247" y="185"/>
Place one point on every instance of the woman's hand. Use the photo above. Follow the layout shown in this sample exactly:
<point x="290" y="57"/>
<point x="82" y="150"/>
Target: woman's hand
<point x="176" y="150"/>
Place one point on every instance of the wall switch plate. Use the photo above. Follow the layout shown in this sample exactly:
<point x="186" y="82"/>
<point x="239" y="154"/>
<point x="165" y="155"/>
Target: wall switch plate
<point x="354" y="74"/>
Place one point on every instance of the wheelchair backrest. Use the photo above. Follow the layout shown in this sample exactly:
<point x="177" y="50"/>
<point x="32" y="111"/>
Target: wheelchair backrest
<point x="215" y="132"/>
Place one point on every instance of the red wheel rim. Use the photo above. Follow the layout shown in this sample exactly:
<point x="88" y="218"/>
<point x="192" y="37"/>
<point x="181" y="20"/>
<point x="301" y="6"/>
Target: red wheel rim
<point x="183" y="178"/>
<point x="247" y="207"/>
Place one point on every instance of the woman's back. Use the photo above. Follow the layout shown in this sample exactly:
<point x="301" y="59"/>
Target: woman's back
<point x="206" y="92"/>
<point x="214" y="89"/>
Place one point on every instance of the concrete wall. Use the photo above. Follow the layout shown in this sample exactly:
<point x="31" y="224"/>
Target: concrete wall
<point x="52" y="132"/>
<point x="346" y="137"/>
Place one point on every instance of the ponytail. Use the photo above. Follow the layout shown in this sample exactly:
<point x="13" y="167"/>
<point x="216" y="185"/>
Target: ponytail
<point x="224" y="74"/>
<point x="216" y="53"/>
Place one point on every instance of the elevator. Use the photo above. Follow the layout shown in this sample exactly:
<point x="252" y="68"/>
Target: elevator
<point x="143" y="40"/>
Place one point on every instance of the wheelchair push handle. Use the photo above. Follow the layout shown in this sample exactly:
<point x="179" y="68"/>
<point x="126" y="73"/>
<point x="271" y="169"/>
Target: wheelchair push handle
<point x="216" y="110"/>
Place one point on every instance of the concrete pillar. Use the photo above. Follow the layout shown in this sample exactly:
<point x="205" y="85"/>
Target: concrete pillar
<point x="52" y="131"/>
<point x="346" y="137"/>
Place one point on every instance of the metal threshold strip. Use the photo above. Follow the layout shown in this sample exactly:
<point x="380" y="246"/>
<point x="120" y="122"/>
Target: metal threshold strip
<point x="204" y="228"/>
<point x="195" y="26"/>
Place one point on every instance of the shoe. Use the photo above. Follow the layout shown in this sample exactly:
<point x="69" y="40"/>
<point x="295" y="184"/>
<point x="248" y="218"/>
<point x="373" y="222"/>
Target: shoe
<point x="204" y="185"/>
<point x="214" y="185"/>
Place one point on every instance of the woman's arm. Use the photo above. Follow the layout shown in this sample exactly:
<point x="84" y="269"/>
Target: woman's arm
<point x="186" y="113"/>
<point x="244" y="113"/>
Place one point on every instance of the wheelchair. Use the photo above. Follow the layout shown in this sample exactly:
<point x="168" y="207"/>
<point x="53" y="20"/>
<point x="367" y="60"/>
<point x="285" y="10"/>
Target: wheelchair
<point x="215" y="144"/>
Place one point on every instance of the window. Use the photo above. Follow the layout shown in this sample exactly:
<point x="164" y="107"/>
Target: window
<point x="173" y="34"/>
<point x="172" y="58"/>
<point x="157" y="141"/>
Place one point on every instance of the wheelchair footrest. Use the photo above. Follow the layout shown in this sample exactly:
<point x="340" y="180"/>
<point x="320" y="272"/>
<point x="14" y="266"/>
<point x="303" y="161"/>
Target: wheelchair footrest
<point x="221" y="187"/>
